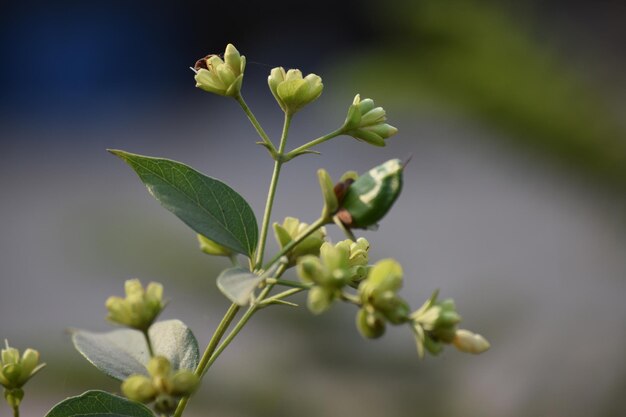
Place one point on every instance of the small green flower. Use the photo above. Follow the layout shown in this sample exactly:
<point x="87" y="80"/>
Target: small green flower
<point x="366" y="122"/>
<point x="435" y="325"/>
<point x="291" y="90"/>
<point x="221" y="76"/>
<point x="378" y="292"/>
<point x="16" y="370"/>
<point x="140" y="307"/>
<point x="290" y="230"/>
<point x="163" y="386"/>
<point x="337" y="266"/>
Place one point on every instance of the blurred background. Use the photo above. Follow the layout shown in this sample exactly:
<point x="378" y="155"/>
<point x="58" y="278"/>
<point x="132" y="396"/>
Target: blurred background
<point x="514" y="203"/>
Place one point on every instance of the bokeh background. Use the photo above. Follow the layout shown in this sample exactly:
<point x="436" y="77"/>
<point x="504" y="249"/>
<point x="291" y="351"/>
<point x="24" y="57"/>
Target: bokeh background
<point x="513" y="204"/>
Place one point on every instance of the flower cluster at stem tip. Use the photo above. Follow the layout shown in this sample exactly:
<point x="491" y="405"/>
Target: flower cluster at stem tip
<point x="16" y="370"/>
<point x="139" y="308"/>
<point x="164" y="386"/>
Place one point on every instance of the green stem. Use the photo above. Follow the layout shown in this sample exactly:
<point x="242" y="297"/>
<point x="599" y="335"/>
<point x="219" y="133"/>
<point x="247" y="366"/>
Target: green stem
<point x="253" y="308"/>
<point x="215" y="339"/>
<point x="16" y="411"/>
<point x="312" y="143"/>
<point x="351" y="298"/>
<point x="281" y="295"/>
<point x="311" y="229"/>
<point x="148" y="342"/>
<point x="287" y="283"/>
<point x="278" y="163"/>
<point x="255" y="123"/>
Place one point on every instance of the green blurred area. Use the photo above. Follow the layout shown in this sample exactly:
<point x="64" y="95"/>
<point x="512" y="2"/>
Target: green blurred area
<point x="474" y="58"/>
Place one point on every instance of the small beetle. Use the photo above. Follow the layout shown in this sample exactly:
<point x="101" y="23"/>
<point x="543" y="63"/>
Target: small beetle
<point x="371" y="195"/>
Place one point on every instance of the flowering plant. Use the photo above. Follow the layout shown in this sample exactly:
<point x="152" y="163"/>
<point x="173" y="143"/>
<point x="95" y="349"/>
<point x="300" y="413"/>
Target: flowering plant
<point x="159" y="363"/>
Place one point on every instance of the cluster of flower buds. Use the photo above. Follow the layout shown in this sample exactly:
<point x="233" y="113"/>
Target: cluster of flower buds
<point x="163" y="385"/>
<point x="221" y="76"/>
<point x="16" y="370"/>
<point x="337" y="266"/>
<point x="290" y="230"/>
<point x="366" y="122"/>
<point x="291" y="90"/>
<point x="140" y="307"/>
<point x="435" y="324"/>
<point x="380" y="302"/>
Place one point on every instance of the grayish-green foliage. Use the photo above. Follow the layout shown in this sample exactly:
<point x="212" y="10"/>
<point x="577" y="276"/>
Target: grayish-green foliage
<point x="121" y="353"/>
<point x="238" y="284"/>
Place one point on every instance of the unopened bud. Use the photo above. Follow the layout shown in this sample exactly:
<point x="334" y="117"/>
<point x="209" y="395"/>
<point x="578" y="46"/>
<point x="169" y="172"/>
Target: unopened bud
<point x="370" y="324"/>
<point x="139" y="388"/>
<point x="470" y="342"/>
<point x="366" y="122"/>
<point x="291" y="90"/>
<point x="184" y="382"/>
<point x="213" y="248"/>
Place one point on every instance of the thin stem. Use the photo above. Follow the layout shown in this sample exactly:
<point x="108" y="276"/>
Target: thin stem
<point x="281" y="295"/>
<point x="255" y="123"/>
<point x="311" y="229"/>
<point x="278" y="163"/>
<point x="287" y="283"/>
<point x="16" y="411"/>
<point x="314" y="142"/>
<point x="351" y="298"/>
<point x="215" y="339"/>
<point x="148" y="342"/>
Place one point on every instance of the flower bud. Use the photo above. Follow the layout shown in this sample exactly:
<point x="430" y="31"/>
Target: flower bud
<point x="290" y="230"/>
<point x="371" y="196"/>
<point x="371" y="325"/>
<point x="140" y="308"/>
<point x="320" y="299"/>
<point x="328" y="192"/>
<point x="184" y="382"/>
<point x="469" y="342"/>
<point x="165" y="404"/>
<point x="385" y="276"/>
<point x="159" y="366"/>
<point x="139" y="388"/>
<point x="366" y="122"/>
<point x="213" y="248"/>
<point x="15" y="371"/>
<point x="223" y="77"/>
<point x="291" y="90"/>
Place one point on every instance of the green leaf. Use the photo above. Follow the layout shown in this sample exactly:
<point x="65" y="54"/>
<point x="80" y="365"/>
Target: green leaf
<point x="124" y="352"/>
<point x="238" y="284"/>
<point x="205" y="204"/>
<point x="99" y="404"/>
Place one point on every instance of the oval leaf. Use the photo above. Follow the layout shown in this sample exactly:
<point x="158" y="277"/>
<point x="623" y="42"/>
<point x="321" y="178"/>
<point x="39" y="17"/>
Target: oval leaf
<point x="124" y="352"/>
<point x="99" y="404"/>
<point x="205" y="204"/>
<point x="238" y="284"/>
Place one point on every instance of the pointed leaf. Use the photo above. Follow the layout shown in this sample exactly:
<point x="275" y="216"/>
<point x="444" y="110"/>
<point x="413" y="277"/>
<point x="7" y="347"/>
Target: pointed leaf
<point x="124" y="352"/>
<point x="238" y="284"/>
<point x="205" y="204"/>
<point x="99" y="404"/>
